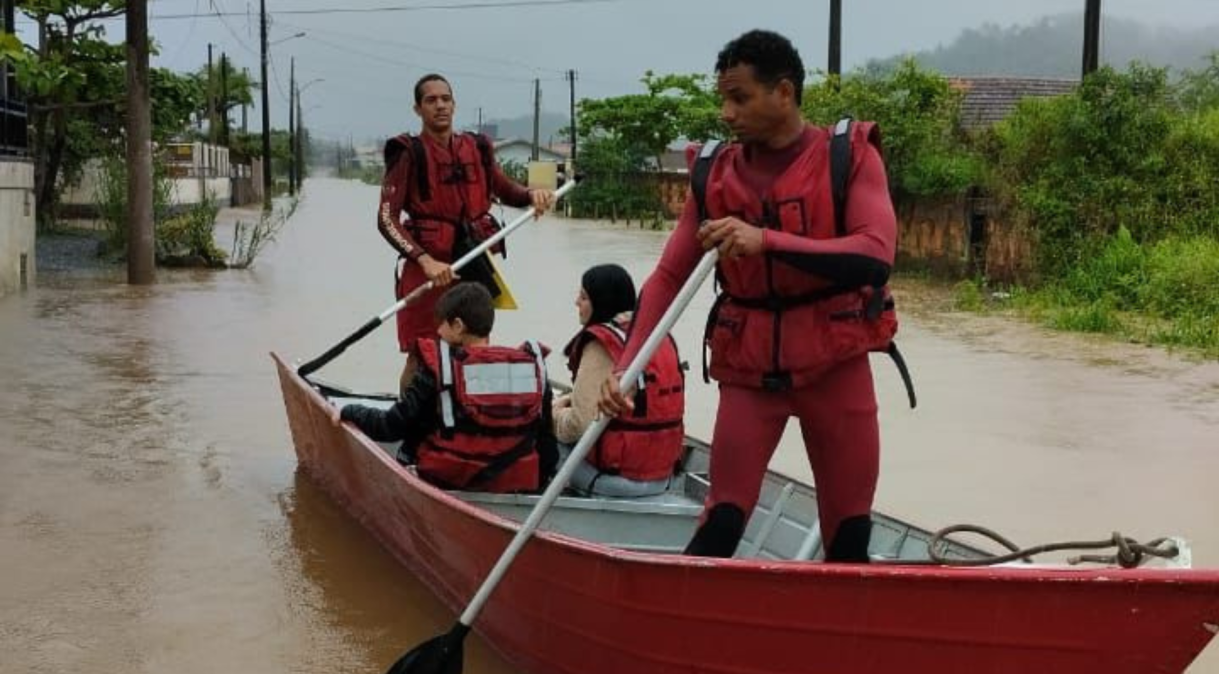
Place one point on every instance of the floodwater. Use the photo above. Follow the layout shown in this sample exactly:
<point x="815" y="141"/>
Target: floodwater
<point x="152" y="518"/>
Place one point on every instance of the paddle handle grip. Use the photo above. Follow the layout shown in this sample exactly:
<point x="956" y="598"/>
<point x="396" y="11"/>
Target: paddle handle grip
<point x="372" y="324"/>
<point x="590" y="437"/>
<point x="334" y="351"/>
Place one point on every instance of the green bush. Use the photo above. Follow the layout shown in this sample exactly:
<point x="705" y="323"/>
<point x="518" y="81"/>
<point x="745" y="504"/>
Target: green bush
<point x="917" y="111"/>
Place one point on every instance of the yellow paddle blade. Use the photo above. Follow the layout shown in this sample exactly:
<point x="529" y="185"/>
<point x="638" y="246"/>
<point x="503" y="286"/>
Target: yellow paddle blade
<point x="505" y="301"/>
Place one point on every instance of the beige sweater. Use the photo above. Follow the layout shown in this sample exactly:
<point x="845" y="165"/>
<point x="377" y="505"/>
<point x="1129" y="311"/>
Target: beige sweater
<point x="571" y="421"/>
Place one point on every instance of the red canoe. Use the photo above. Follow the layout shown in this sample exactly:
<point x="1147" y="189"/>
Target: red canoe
<point x="600" y="591"/>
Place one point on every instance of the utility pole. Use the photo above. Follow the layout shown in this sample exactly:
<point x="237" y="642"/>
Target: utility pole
<point x="211" y="98"/>
<point x="571" y="80"/>
<point x="480" y="119"/>
<point x="245" y="128"/>
<point x="537" y="113"/>
<point x="140" y="259"/>
<point x="292" y="128"/>
<point x="835" y="56"/>
<point x="7" y="87"/>
<point x="300" y="143"/>
<point x="1091" y="37"/>
<point x="266" y="114"/>
<point x="224" y="99"/>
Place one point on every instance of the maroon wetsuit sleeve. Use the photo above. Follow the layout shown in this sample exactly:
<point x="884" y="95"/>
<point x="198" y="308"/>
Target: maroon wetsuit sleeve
<point x="394" y="188"/>
<point x="681" y="255"/>
<point x="864" y="256"/>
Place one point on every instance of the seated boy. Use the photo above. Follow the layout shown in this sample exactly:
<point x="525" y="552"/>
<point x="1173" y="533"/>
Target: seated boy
<point x="475" y="416"/>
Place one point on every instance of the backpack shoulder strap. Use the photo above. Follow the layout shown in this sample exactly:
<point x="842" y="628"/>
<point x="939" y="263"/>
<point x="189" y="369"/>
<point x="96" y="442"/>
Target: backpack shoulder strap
<point x="840" y="171"/>
<point x="486" y="153"/>
<point x="419" y="158"/>
<point x="701" y="172"/>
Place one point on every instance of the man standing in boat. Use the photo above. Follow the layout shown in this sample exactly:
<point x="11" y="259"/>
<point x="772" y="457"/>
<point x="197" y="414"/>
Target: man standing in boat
<point x="475" y="416"/>
<point x="802" y="300"/>
<point x="444" y="182"/>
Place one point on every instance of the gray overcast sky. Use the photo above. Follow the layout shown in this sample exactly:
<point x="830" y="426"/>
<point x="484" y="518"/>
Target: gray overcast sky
<point x="369" y="61"/>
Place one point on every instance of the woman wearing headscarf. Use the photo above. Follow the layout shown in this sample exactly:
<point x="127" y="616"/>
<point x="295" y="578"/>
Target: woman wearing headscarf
<point x="639" y="450"/>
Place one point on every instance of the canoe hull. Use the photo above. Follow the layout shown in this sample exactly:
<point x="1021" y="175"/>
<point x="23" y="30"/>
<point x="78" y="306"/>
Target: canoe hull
<point x="571" y="606"/>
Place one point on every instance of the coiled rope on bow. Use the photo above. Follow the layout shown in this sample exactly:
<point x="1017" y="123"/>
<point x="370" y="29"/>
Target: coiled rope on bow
<point x="1129" y="554"/>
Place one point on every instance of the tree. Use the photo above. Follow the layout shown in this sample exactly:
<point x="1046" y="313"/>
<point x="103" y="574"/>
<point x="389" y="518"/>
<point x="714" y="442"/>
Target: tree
<point x="227" y="89"/>
<point x="917" y="111"/>
<point x="74" y="81"/>
<point x="72" y="70"/>
<point x="675" y="106"/>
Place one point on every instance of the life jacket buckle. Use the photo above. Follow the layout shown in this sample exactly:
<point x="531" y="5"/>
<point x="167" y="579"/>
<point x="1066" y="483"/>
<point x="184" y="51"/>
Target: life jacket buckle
<point x="777" y="381"/>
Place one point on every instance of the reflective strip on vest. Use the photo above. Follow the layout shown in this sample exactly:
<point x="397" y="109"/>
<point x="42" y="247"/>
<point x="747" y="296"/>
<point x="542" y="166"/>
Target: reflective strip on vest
<point x="446" y="385"/>
<point x="492" y="378"/>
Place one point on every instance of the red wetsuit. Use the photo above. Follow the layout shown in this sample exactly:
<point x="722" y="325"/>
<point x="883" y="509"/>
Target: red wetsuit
<point x="458" y="184"/>
<point x="836" y="406"/>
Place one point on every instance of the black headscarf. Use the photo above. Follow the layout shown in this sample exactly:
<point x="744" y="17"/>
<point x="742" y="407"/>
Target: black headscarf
<point x="610" y="290"/>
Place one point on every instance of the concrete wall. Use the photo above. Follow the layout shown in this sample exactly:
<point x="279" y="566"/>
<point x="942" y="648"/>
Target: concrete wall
<point x="936" y="234"/>
<point x="17" y="225"/>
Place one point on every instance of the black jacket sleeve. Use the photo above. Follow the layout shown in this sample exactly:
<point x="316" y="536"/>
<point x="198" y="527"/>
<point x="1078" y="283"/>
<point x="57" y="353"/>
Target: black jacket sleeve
<point x="413" y="416"/>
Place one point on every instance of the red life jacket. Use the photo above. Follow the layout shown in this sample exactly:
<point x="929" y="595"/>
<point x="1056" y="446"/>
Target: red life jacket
<point x="773" y="325"/>
<point x="450" y="199"/>
<point x="644" y="444"/>
<point x="490" y="401"/>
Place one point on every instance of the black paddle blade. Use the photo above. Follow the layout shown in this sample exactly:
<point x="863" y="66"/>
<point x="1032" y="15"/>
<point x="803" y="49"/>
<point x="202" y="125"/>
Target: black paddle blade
<point x="442" y="655"/>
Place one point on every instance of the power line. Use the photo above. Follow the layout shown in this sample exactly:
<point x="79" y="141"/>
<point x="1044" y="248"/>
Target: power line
<point x="219" y="15"/>
<point x="378" y="57"/>
<point x="430" y="50"/>
<point x="397" y="8"/>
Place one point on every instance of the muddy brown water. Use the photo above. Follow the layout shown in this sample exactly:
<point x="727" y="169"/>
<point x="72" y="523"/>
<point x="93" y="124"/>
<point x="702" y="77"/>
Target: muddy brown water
<point x="152" y="518"/>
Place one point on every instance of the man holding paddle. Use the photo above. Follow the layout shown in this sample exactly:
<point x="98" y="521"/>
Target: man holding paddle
<point x="802" y="302"/>
<point x="445" y="182"/>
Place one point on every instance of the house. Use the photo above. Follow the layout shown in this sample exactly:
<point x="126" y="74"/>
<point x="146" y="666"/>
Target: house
<point x="987" y="100"/>
<point x="520" y="151"/>
<point x="17" y="228"/>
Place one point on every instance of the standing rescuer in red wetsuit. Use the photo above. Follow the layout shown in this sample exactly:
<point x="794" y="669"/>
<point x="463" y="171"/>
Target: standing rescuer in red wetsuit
<point x="444" y="182"/>
<point x="802" y="299"/>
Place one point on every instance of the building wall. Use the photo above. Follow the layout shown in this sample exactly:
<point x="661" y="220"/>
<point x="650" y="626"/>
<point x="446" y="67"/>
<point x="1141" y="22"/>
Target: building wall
<point x="935" y="234"/>
<point x="17" y="225"/>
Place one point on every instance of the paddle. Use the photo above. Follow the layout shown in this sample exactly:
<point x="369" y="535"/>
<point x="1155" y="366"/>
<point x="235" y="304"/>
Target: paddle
<point x="443" y="654"/>
<point x="372" y="324"/>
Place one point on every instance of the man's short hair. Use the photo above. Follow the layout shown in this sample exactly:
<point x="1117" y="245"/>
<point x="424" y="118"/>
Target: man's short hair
<point x="772" y="56"/>
<point x="430" y="77"/>
<point x="471" y="302"/>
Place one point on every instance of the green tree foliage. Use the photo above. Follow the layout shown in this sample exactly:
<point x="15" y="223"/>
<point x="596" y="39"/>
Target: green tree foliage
<point x="74" y="81"/>
<point x="1115" y="154"/>
<point x="917" y="111"/>
<point x="675" y="106"/>
<point x="617" y="184"/>
<point x="1199" y="89"/>
<point x="226" y="90"/>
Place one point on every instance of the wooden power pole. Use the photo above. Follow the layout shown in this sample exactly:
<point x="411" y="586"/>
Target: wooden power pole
<point x="1091" y="36"/>
<point x="266" y="114"/>
<point x="834" y="62"/>
<point x="140" y="249"/>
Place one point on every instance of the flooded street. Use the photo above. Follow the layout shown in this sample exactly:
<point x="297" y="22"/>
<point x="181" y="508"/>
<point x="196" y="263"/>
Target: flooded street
<point x="152" y="518"/>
